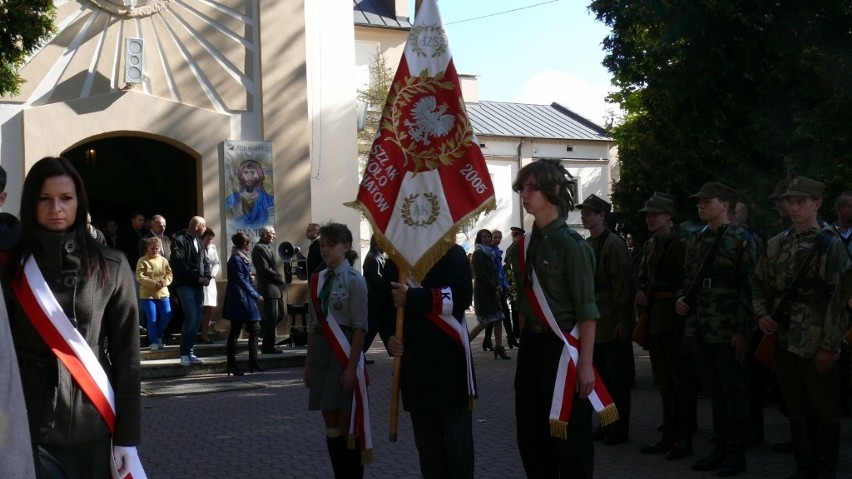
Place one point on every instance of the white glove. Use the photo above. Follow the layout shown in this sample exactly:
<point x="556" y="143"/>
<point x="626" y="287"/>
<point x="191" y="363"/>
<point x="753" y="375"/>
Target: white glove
<point x="124" y="457"/>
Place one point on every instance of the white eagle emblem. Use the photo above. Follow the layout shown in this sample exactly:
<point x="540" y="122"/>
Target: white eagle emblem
<point x="429" y="120"/>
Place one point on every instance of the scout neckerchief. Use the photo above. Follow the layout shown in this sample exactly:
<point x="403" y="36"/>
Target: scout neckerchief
<point x="441" y="315"/>
<point x="566" y="374"/>
<point x="359" y="420"/>
<point x="69" y="346"/>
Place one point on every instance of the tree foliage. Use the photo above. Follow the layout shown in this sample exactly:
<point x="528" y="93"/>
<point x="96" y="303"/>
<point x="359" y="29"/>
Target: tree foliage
<point x="739" y="92"/>
<point x="374" y="96"/>
<point x="24" y="24"/>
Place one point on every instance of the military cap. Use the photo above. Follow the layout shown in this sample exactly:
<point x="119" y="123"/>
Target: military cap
<point x="593" y="202"/>
<point x="516" y="231"/>
<point x="803" y="186"/>
<point x="714" y="189"/>
<point x="660" y="203"/>
<point x="779" y="190"/>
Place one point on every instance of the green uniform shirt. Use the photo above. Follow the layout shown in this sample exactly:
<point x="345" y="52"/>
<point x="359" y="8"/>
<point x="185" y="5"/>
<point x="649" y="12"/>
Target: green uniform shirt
<point x="614" y="286"/>
<point x="661" y="272"/>
<point x="565" y="267"/>
<point x="722" y="305"/>
<point x="817" y="307"/>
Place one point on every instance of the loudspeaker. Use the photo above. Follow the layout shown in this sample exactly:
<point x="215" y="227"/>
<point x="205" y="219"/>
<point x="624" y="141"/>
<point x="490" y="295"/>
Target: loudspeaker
<point x="134" y="60"/>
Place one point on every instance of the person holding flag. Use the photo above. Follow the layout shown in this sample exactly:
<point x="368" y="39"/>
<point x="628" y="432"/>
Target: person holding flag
<point x="556" y="385"/>
<point x="426" y="178"/>
<point x="334" y="364"/>
<point x="74" y="320"/>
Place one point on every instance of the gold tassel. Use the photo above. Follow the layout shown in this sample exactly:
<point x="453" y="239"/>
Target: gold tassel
<point x="366" y="456"/>
<point x="471" y="403"/>
<point x="609" y="415"/>
<point x="559" y="429"/>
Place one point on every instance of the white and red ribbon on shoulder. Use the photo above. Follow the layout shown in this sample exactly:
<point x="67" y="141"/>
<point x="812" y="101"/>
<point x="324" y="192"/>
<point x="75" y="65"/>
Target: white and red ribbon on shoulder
<point x="359" y="420"/>
<point x="566" y="375"/>
<point x="70" y="348"/>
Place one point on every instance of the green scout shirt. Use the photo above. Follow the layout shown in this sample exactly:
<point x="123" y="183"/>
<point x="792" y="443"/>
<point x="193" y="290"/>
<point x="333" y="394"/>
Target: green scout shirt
<point x="722" y="305"/>
<point x="660" y="272"/>
<point x="614" y="286"/>
<point x="565" y="267"/>
<point x="817" y="306"/>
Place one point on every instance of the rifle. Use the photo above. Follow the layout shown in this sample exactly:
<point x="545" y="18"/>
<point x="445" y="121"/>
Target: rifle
<point x="640" y="334"/>
<point x="766" y="351"/>
<point x="692" y="290"/>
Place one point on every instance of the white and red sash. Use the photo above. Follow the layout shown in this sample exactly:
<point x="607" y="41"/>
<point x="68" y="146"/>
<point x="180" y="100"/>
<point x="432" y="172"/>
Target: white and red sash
<point x="441" y="315"/>
<point x="566" y="375"/>
<point x="69" y="346"/>
<point x="359" y="420"/>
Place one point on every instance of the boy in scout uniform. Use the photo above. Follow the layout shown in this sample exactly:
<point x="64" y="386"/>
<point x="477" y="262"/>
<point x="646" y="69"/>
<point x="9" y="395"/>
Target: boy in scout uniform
<point x="715" y="298"/>
<point x="805" y="267"/>
<point x="614" y="288"/>
<point x="674" y="372"/>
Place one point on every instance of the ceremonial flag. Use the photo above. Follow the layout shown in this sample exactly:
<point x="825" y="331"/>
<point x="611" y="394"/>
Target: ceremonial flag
<point x="425" y="176"/>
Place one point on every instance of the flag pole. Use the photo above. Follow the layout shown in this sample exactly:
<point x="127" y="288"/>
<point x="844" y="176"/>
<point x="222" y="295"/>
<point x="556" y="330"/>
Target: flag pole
<point x="397" y="368"/>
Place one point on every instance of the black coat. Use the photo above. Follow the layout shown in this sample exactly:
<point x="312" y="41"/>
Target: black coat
<point x="108" y="319"/>
<point x="434" y="370"/>
<point x="189" y="265"/>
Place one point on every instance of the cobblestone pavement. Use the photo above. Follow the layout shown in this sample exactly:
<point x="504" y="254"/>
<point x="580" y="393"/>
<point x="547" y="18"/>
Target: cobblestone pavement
<point x="258" y="426"/>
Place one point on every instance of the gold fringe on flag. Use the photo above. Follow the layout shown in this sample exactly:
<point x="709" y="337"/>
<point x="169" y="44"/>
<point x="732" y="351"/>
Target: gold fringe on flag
<point x="471" y="403"/>
<point x="366" y="456"/>
<point x="351" y="441"/>
<point x="559" y="429"/>
<point x="609" y="415"/>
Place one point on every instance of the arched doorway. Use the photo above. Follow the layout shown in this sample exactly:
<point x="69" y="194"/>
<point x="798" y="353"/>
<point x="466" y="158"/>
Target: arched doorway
<point x="127" y="173"/>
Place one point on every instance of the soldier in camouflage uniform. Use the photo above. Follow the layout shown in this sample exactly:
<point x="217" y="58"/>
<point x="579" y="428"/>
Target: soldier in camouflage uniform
<point x="614" y="289"/>
<point x="674" y="372"/>
<point x="809" y="326"/>
<point x="718" y="315"/>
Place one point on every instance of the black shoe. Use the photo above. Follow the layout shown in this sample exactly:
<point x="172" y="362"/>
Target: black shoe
<point x="660" y="447"/>
<point x="233" y="370"/>
<point x="783" y="447"/>
<point x="679" y="450"/>
<point x="369" y="361"/>
<point x="711" y="462"/>
<point x="500" y="352"/>
<point x="487" y="345"/>
<point x="614" y="439"/>
<point x="253" y="366"/>
<point x="734" y="464"/>
<point x="513" y="343"/>
<point x="272" y="351"/>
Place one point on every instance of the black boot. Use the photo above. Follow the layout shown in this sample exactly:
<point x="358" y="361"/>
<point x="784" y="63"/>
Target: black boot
<point x="827" y="441"/>
<point x="735" y="462"/>
<point x="802" y="448"/>
<point x="253" y="365"/>
<point x="337" y="454"/>
<point x="667" y="440"/>
<point x="231" y="367"/>
<point x="712" y="461"/>
<point x="685" y="409"/>
<point x="487" y="345"/>
<point x="354" y="468"/>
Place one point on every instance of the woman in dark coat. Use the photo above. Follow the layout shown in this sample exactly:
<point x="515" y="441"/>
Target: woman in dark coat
<point x="240" y="306"/>
<point x="487" y="292"/>
<point x="92" y="288"/>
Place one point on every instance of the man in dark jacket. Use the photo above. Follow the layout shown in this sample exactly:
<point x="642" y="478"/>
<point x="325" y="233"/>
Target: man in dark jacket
<point x="435" y="375"/>
<point x="191" y="273"/>
<point x="269" y="284"/>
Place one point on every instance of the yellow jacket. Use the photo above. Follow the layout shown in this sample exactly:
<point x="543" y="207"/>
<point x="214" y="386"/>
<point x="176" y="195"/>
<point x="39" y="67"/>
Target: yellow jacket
<point x="148" y="272"/>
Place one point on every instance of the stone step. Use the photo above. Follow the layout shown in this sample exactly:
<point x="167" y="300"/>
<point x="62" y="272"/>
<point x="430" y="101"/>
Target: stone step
<point x="165" y="363"/>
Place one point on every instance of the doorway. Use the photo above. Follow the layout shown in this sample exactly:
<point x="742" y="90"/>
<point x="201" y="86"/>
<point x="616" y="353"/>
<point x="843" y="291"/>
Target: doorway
<point x="124" y="174"/>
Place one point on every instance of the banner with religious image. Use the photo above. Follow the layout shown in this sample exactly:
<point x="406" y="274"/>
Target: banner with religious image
<point x="249" y="195"/>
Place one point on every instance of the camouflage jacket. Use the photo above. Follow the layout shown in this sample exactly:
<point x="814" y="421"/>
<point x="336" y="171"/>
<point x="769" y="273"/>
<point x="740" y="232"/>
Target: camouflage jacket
<point x="721" y="306"/>
<point x="816" y="309"/>
<point x="660" y="273"/>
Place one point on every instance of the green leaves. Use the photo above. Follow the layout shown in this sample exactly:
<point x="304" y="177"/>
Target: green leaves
<point x="24" y="24"/>
<point x="731" y="91"/>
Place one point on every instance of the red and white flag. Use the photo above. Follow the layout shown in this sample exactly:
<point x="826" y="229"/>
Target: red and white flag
<point x="426" y="175"/>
